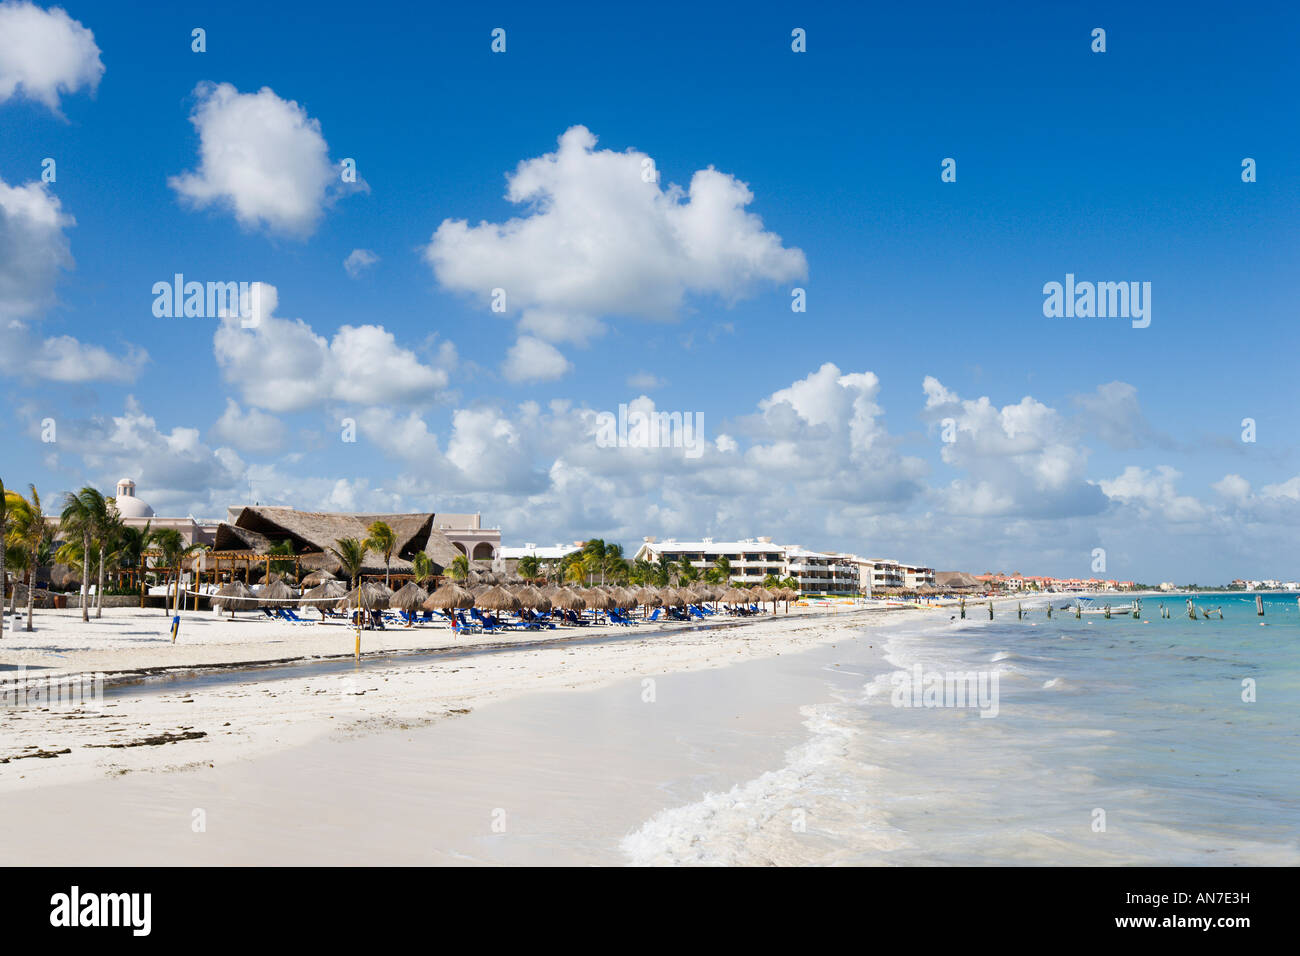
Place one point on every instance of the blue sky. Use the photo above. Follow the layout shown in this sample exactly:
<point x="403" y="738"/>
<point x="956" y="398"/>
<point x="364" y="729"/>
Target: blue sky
<point x="1071" y="434"/>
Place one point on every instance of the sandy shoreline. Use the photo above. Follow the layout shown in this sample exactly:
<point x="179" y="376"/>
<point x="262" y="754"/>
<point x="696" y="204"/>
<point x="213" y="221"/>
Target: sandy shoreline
<point x="206" y="726"/>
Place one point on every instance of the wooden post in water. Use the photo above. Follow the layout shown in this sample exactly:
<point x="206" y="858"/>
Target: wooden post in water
<point x="1259" y="604"/>
<point x="1137" y="608"/>
<point x="1108" y="612"/>
<point x="1020" y="611"/>
<point x="1191" y="609"/>
<point x="990" y="610"/>
<point x="963" y="608"/>
<point x="1049" y="610"/>
<point x="1078" y="610"/>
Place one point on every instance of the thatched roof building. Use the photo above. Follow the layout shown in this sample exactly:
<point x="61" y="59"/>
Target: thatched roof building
<point x="313" y="533"/>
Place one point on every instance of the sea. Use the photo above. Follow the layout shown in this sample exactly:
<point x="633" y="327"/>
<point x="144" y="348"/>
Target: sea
<point x="1156" y="740"/>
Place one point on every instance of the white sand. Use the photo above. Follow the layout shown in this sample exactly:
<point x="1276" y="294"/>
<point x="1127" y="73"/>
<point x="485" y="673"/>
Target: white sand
<point x="243" y="720"/>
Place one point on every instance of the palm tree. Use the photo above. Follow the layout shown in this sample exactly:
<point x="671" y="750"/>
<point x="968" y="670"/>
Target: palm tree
<point x="686" y="572"/>
<point x="81" y="517"/>
<point x="421" y="567"/>
<point x="351" y="555"/>
<point x="172" y="546"/>
<point x="31" y="531"/>
<point x="596" y="550"/>
<point x="108" y="526"/>
<point x="722" y="565"/>
<point x="17" y="560"/>
<point x="131" y="546"/>
<point x="380" y="538"/>
<point x="529" y="567"/>
<point x="664" y="569"/>
<point x="282" y="547"/>
<point x="459" y="569"/>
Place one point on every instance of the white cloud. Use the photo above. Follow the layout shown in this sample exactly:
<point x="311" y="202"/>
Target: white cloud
<point x="1154" y="493"/>
<point x="62" y="358"/>
<point x="1023" y="459"/>
<point x="598" y="241"/>
<point x="282" y="365"/>
<point x="261" y="157"/>
<point x="358" y="261"/>
<point x="1232" y="487"/>
<point x="33" y="248"/>
<point x="646" y="380"/>
<point x="44" y="53"/>
<point x="532" y="360"/>
<point x="174" y="470"/>
<point x="250" y="431"/>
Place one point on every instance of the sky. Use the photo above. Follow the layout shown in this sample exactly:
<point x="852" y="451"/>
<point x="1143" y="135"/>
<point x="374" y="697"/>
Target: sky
<point x="617" y="209"/>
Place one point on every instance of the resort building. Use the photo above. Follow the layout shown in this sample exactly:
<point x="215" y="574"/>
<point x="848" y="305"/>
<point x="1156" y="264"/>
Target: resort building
<point x="557" y="552"/>
<point x="245" y="539"/>
<point x="468" y="536"/>
<point x="753" y="559"/>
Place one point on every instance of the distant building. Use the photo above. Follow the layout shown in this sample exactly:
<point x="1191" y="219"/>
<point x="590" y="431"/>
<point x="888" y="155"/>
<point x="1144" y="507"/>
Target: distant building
<point x="753" y="559"/>
<point x="556" y="552"/>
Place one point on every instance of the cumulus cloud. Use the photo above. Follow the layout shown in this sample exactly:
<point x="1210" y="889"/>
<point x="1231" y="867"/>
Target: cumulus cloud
<point x="1154" y="492"/>
<point x="34" y="248"/>
<point x="261" y="157"/>
<point x="1113" y="414"/>
<point x="282" y="365"/>
<point x="1023" y="459"/>
<point x="358" y="261"/>
<point x="249" y="431"/>
<point x="173" y="468"/>
<point x="62" y="358"/>
<point x="532" y="360"/>
<point x="45" y="53"/>
<point x="598" y="241"/>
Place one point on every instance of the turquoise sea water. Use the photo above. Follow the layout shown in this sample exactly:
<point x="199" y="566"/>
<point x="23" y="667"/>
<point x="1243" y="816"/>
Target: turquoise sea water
<point x="1116" y="741"/>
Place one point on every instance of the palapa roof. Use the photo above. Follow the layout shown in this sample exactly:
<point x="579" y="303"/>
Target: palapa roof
<point x="313" y="533"/>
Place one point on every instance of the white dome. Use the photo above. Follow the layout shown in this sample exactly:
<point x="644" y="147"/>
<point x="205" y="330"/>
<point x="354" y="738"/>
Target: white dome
<point x="128" y="506"/>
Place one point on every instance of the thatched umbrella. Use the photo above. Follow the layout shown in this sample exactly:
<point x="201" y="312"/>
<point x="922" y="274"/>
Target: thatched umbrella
<point x="567" y="599"/>
<point x="449" y="597"/>
<point x="409" y="597"/>
<point x="497" y="598"/>
<point x="598" y="600"/>
<point x="317" y="578"/>
<point x="235" y="596"/>
<point x="276" y="594"/>
<point x="734" y="595"/>
<point x="625" y="598"/>
<point x="369" y="597"/>
<point x="532" y="597"/>
<point x="327" y="592"/>
<point x="763" y="595"/>
<point x="671" y="598"/>
<point x="787" y="596"/>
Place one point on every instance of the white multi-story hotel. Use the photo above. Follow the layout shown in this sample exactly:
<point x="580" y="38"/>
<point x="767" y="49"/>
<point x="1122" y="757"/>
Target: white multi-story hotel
<point x="753" y="559"/>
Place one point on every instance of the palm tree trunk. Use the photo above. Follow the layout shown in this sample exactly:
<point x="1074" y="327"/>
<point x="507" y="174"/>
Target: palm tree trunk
<point x="85" y="581"/>
<point x="31" y="590"/>
<point x="99" y="591"/>
<point x="2" y="584"/>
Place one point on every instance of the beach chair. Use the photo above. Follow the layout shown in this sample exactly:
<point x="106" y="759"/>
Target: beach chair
<point x="655" y="615"/>
<point x="267" y="612"/>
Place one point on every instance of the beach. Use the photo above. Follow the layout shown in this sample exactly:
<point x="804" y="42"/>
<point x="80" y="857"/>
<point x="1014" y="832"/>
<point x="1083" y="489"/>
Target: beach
<point x="230" y="690"/>
<point x="772" y="743"/>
